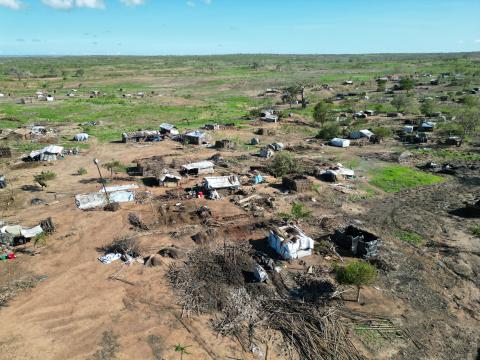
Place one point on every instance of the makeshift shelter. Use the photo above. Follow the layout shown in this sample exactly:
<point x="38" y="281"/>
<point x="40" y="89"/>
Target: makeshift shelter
<point x="195" y="137"/>
<point x="298" y="183"/>
<point x="168" y="129"/>
<point x="224" y="144"/>
<point x="3" y="182"/>
<point x="198" y="168"/>
<point x="408" y="129"/>
<point x="5" y="153"/>
<point x="49" y="153"/>
<point x="150" y="167"/>
<point x="169" y="178"/>
<point x="428" y="126"/>
<point x="260" y="274"/>
<point x="361" y="134"/>
<point x="116" y="194"/>
<point x="81" y="137"/>
<point x="221" y="182"/>
<point x="266" y="153"/>
<point x="255" y="141"/>
<point x="290" y="242"/>
<point x="141" y="136"/>
<point x="276" y="146"/>
<point x="359" y="242"/>
<point x="270" y="118"/>
<point x="343" y="143"/>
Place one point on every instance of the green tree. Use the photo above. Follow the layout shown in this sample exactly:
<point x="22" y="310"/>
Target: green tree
<point x="407" y="83"/>
<point x="80" y="73"/>
<point x="358" y="273"/>
<point x="400" y="102"/>
<point x="469" y="121"/>
<point x="382" y="132"/>
<point x="470" y="101"/>
<point x="282" y="164"/>
<point x="428" y="107"/>
<point x="322" y="112"/>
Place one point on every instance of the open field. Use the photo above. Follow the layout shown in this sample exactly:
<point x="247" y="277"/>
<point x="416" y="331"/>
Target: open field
<point x="57" y="301"/>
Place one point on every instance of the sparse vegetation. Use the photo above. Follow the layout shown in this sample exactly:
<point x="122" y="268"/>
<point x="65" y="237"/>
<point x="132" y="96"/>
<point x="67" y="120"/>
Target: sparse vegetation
<point x="475" y="231"/>
<point x="329" y="131"/>
<point x="409" y="237"/>
<point x="82" y="171"/>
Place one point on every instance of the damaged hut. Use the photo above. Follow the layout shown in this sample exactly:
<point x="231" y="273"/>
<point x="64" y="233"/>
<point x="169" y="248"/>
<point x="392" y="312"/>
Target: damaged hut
<point x="195" y="137"/>
<point x="221" y="182"/>
<point x="224" y="144"/>
<point x="290" y="242"/>
<point x="150" y="167"/>
<point x="359" y="242"/>
<point x="141" y="136"/>
<point x="169" y="178"/>
<point x="168" y="129"/>
<point x="298" y="183"/>
<point x="5" y="153"/>
<point x="49" y="153"/>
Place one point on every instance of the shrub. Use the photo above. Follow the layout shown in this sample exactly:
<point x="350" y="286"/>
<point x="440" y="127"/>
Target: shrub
<point x="81" y="171"/>
<point x="382" y="132"/>
<point x="282" y="164"/>
<point x="356" y="273"/>
<point x="475" y="231"/>
<point x="409" y="237"/>
<point x="299" y="211"/>
<point x="329" y="131"/>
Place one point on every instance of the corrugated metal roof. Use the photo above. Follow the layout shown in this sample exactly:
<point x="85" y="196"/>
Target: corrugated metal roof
<point x="198" y="165"/>
<point x="221" y="182"/>
<point x="195" y="133"/>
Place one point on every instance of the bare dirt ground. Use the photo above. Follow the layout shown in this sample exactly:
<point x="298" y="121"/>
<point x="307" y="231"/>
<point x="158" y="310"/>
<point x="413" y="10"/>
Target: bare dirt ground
<point x="86" y="310"/>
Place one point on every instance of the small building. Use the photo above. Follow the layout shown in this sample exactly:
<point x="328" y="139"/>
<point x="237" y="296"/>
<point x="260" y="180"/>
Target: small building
<point x="221" y="182"/>
<point x="343" y="143"/>
<point x="168" y="129"/>
<point x="81" y="137"/>
<point x="5" y="153"/>
<point x="361" y="134"/>
<point x="290" y="242"/>
<point x="195" y="137"/>
<point x="298" y="183"/>
<point x="213" y="127"/>
<point x="428" y="126"/>
<point x="198" y="168"/>
<point x="408" y="129"/>
<point x="224" y="144"/>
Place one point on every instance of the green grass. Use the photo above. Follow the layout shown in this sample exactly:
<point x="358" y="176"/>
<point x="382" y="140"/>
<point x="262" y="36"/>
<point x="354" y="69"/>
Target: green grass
<point x="446" y="154"/>
<point x="397" y="178"/>
<point x="409" y="237"/>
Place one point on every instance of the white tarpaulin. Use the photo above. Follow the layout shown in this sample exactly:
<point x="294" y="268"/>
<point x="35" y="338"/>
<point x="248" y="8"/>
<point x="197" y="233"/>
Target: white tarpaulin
<point x="294" y="246"/>
<point x="119" y="194"/>
<point x="81" y="137"/>
<point x="17" y="230"/>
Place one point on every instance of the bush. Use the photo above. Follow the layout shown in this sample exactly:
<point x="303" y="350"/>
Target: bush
<point x="382" y="132"/>
<point x="81" y="171"/>
<point x="329" y="131"/>
<point x="282" y="164"/>
<point x="475" y="231"/>
<point x="409" y="237"/>
<point x="46" y="175"/>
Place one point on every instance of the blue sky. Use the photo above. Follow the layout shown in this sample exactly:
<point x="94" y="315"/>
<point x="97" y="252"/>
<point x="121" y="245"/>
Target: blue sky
<point x="163" y="27"/>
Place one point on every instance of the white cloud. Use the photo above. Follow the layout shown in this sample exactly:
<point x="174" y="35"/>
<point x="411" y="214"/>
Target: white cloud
<point x="92" y="4"/>
<point x="59" y="4"/>
<point x="191" y="3"/>
<point x="132" y="2"/>
<point x="12" y="4"/>
<point x="476" y="40"/>
<point x="208" y="2"/>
